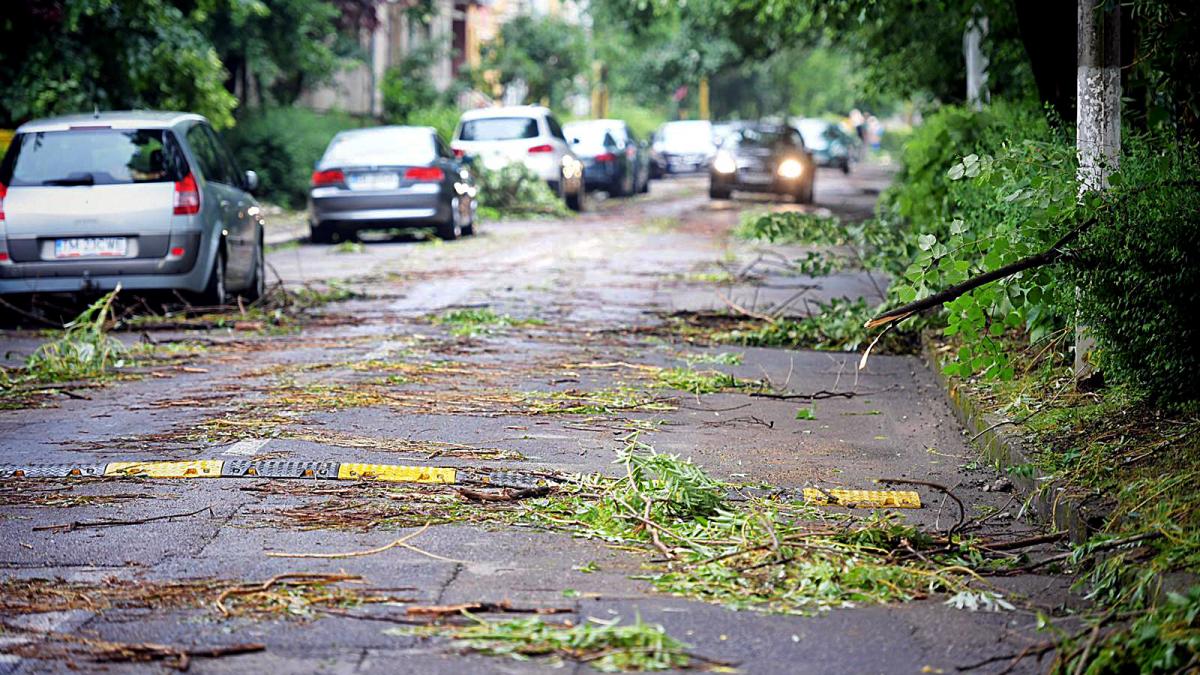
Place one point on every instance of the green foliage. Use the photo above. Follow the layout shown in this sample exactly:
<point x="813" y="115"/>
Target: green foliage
<point x="408" y="88"/>
<point x="475" y="322"/>
<point x="607" y="646"/>
<point x="277" y="47"/>
<point x="837" y="325"/>
<point x="443" y="118"/>
<point x="282" y="145"/>
<point x="1138" y="271"/>
<point x="766" y="554"/>
<point x="699" y="381"/>
<point x="110" y="54"/>
<point x="1165" y="640"/>
<point x="544" y="52"/>
<point x="515" y="190"/>
<point x="84" y="350"/>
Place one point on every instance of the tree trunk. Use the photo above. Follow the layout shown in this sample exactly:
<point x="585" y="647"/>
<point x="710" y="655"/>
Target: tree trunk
<point x="1097" y="123"/>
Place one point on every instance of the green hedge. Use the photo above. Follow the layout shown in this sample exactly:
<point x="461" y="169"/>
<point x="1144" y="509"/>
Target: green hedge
<point x="282" y="145"/>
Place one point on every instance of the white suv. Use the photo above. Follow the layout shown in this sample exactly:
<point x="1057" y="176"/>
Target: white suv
<point x="497" y="137"/>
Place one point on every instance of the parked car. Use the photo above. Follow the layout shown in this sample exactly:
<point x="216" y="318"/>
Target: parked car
<point x="829" y="145"/>
<point x="148" y="200"/>
<point x="763" y="158"/>
<point x="613" y="158"/>
<point x="530" y="135"/>
<point x="685" y="146"/>
<point x="390" y="177"/>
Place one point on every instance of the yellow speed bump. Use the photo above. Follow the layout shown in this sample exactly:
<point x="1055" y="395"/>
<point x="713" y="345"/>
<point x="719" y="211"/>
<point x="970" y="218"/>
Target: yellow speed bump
<point x="205" y="468"/>
<point x="393" y="473"/>
<point x="877" y="499"/>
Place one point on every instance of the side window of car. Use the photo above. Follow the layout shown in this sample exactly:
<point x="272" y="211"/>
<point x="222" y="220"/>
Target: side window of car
<point x="206" y="154"/>
<point x="228" y="165"/>
<point x="555" y="129"/>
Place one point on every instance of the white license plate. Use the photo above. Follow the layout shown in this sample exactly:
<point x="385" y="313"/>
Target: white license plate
<point x="757" y="178"/>
<point x="91" y="247"/>
<point x="374" y="181"/>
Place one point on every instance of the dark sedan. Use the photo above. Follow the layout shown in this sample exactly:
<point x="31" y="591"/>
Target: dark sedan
<point x="613" y="159"/>
<point x="763" y="158"/>
<point x="390" y="177"/>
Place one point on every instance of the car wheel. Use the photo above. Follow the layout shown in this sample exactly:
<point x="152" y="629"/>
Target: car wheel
<point x="451" y="229"/>
<point x="469" y="228"/>
<point x="805" y="194"/>
<point x="321" y="233"/>
<point x="719" y="192"/>
<point x="215" y="293"/>
<point x="846" y="166"/>
<point x="576" y="201"/>
<point x="258" y="285"/>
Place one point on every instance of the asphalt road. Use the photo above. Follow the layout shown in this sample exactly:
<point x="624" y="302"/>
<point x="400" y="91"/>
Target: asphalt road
<point x="601" y="288"/>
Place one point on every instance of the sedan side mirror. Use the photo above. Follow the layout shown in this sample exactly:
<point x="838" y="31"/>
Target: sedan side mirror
<point x="251" y="182"/>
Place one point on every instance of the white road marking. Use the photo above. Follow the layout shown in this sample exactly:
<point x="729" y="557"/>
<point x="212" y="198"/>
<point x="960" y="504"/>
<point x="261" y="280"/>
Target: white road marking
<point x="247" y="446"/>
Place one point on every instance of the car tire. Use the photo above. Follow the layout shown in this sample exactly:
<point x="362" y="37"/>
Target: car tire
<point x="577" y="201"/>
<point x="718" y="192"/>
<point x="805" y="194"/>
<point x="846" y="166"/>
<point x="258" y="284"/>
<point x="321" y="233"/>
<point x="215" y="294"/>
<point x="450" y="230"/>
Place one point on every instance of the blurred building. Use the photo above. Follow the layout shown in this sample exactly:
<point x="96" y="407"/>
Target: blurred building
<point x="399" y="31"/>
<point x="456" y="29"/>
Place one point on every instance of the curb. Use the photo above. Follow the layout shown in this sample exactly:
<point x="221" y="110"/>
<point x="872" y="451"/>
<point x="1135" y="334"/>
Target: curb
<point x="1047" y="499"/>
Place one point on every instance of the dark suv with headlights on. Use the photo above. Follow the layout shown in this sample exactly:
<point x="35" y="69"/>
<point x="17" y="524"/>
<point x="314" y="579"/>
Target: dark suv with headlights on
<point x="763" y="158"/>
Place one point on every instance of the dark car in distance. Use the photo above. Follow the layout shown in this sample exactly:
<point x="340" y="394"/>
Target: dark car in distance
<point x="390" y="177"/>
<point x="763" y="158"/>
<point x="613" y="158"/>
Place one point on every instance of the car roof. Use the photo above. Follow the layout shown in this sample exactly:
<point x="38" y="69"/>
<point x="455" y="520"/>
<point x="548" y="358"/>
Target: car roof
<point x="605" y="123"/>
<point x="384" y="128"/>
<point x="117" y="119"/>
<point x="506" y="111"/>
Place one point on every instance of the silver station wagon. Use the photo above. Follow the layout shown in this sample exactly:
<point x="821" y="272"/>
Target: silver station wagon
<point x="147" y="200"/>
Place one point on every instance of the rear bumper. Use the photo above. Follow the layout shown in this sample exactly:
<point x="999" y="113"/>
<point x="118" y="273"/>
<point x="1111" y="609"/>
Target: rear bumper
<point x="776" y="185"/>
<point x="600" y="175"/>
<point x="166" y="273"/>
<point x="366" y="211"/>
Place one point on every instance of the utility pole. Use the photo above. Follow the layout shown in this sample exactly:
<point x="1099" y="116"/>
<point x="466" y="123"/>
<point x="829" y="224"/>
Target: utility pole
<point x="977" y="61"/>
<point x="704" y="109"/>
<point x="1097" y="123"/>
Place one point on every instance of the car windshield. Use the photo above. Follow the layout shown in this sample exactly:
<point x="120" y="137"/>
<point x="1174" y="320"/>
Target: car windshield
<point x="92" y="157"/>
<point x="382" y="146"/>
<point x="592" y="137"/>
<point x="499" y="129"/>
<point x="763" y="138"/>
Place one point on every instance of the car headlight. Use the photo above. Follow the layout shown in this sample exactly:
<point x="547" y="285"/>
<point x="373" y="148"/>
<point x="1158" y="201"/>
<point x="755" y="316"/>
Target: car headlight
<point x="790" y="168"/>
<point x="724" y="163"/>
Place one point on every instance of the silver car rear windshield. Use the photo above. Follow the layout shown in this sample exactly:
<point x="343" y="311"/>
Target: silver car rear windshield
<point x="382" y="146"/>
<point x="499" y="129"/>
<point x="92" y="157"/>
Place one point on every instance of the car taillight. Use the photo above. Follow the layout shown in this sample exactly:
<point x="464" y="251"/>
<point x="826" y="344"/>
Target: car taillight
<point x="605" y="157"/>
<point x="460" y="153"/>
<point x="329" y="177"/>
<point x="541" y="148"/>
<point x="187" y="196"/>
<point x="3" y="194"/>
<point x="424" y="173"/>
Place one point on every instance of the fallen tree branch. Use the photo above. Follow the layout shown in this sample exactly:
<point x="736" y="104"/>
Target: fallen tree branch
<point x="1050" y="255"/>
<point x="286" y="579"/>
<point x="962" y="509"/>
<point x="503" y="607"/>
<point x="1046" y="257"/>
<point x="507" y="495"/>
<point x="78" y="524"/>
